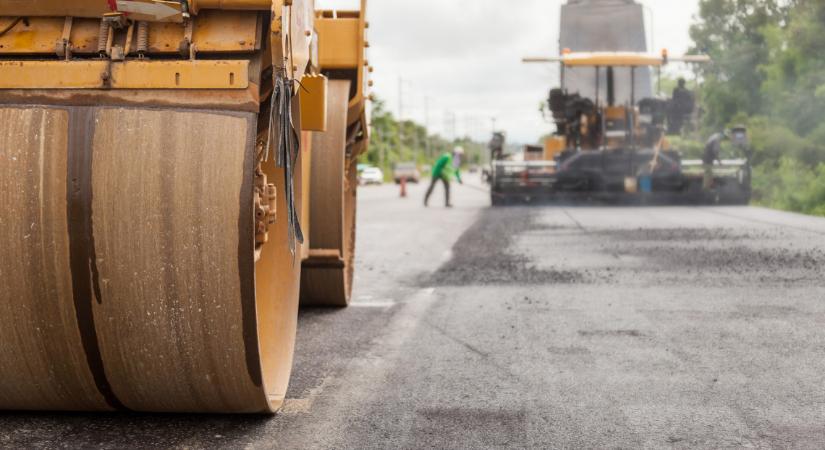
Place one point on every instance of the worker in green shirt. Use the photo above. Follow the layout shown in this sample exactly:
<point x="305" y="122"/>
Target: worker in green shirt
<point x="445" y="169"/>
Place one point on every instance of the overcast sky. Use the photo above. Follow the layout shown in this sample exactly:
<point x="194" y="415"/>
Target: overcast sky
<point x="459" y="61"/>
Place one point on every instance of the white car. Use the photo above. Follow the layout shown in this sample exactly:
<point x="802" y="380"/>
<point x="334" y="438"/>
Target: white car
<point x="372" y="175"/>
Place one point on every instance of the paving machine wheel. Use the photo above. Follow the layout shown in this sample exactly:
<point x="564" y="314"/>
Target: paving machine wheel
<point x="328" y="272"/>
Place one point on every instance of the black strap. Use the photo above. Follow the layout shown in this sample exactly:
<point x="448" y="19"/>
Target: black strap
<point x="289" y="146"/>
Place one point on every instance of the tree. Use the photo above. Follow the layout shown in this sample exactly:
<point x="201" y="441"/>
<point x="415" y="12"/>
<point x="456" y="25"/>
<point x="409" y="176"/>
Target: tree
<point x="731" y="32"/>
<point x="392" y="142"/>
<point x="768" y="71"/>
<point x="794" y="88"/>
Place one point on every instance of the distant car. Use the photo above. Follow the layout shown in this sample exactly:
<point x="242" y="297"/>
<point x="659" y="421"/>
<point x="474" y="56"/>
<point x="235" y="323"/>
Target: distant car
<point x="406" y="170"/>
<point x="372" y="175"/>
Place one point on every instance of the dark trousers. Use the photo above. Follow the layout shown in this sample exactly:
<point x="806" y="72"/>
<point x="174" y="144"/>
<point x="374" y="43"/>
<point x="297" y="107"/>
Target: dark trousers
<point x="432" y="187"/>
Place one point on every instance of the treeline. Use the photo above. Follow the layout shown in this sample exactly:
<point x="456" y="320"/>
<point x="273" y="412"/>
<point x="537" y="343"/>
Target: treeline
<point x="393" y="141"/>
<point x="768" y="72"/>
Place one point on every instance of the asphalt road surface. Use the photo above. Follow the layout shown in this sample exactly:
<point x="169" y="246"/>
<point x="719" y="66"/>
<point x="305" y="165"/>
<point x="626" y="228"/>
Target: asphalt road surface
<point x="546" y="327"/>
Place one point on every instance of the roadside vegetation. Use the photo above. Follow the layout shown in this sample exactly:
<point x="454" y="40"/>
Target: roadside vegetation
<point x="393" y="141"/>
<point x="768" y="73"/>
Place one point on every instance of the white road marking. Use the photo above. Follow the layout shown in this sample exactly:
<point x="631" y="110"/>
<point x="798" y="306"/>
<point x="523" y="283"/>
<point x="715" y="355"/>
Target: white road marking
<point x="382" y="305"/>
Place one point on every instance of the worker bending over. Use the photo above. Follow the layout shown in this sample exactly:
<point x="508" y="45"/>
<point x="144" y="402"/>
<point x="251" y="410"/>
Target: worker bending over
<point x="445" y="169"/>
<point x="713" y="150"/>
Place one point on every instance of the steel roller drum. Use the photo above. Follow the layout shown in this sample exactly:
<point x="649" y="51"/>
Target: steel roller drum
<point x="129" y="274"/>
<point x="328" y="273"/>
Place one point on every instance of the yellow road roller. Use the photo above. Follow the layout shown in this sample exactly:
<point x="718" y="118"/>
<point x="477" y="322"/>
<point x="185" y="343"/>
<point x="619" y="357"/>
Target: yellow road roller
<point x="166" y="170"/>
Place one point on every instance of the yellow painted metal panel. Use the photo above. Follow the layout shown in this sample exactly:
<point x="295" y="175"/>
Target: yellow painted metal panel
<point x="225" y="31"/>
<point x="214" y="31"/>
<point x="615" y="113"/>
<point x="593" y="59"/>
<point x="261" y="5"/>
<point x="41" y="34"/>
<point x="181" y="75"/>
<point x="34" y="8"/>
<point x="339" y="46"/>
<point x="343" y="45"/>
<point x="612" y="59"/>
<point x="553" y="146"/>
<point x="96" y="8"/>
<point x="124" y="75"/>
<point x="314" y="103"/>
<point x="52" y="74"/>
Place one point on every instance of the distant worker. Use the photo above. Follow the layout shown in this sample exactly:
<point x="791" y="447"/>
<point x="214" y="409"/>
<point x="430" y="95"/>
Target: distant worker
<point x="661" y="144"/>
<point x="497" y="146"/>
<point x="713" y="151"/>
<point x="445" y="169"/>
<point x="681" y="107"/>
<point x="574" y="132"/>
<point x="739" y="139"/>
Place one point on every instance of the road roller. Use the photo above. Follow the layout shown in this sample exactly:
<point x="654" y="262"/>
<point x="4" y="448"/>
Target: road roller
<point x="165" y="167"/>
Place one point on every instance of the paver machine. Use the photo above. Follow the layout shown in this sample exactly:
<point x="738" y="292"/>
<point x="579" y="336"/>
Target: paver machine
<point x="166" y="169"/>
<point x="611" y="130"/>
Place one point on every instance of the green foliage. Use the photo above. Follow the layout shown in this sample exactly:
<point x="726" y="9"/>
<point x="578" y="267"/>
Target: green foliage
<point x="772" y="140"/>
<point x="393" y="142"/>
<point x="792" y="186"/>
<point x="769" y="73"/>
<point x="794" y="87"/>
<point x="689" y="148"/>
<point x="732" y="33"/>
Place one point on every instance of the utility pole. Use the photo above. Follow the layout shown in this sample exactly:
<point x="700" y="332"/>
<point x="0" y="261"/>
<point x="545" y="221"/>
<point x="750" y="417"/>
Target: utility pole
<point x="427" y="127"/>
<point x="400" y="99"/>
<point x="381" y="147"/>
<point x="453" y="127"/>
<point x="449" y="125"/>
<point x="400" y="115"/>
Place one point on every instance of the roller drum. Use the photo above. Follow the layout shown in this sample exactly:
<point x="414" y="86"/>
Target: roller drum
<point x="129" y="269"/>
<point x="327" y="277"/>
